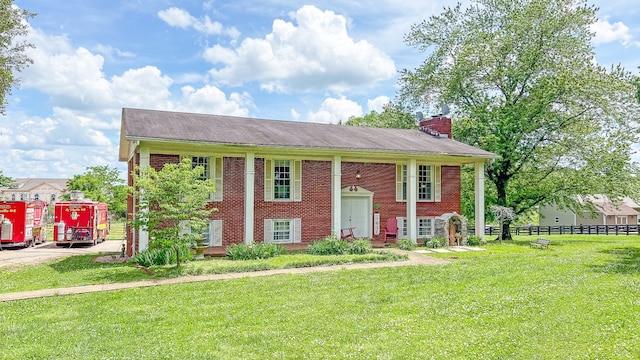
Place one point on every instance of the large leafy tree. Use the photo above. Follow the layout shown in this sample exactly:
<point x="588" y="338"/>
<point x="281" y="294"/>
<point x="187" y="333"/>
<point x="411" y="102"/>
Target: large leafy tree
<point x="392" y="116"/>
<point x="523" y="80"/>
<point x="172" y="200"/>
<point x="104" y="184"/>
<point x="13" y="25"/>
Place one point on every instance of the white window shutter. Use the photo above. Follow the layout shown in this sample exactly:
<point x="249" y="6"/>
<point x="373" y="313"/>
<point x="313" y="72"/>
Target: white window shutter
<point x="438" y="184"/>
<point x="268" y="180"/>
<point x="297" y="230"/>
<point x="399" y="183"/>
<point x="402" y="231"/>
<point x="268" y="230"/>
<point x="184" y="228"/>
<point x="215" y="233"/>
<point x="217" y="165"/>
<point x="297" y="180"/>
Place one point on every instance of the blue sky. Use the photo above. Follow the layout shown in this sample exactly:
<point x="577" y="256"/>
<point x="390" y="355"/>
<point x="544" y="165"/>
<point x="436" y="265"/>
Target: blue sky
<point x="276" y="59"/>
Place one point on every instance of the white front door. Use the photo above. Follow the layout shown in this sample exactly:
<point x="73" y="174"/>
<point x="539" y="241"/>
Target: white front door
<point x="355" y="214"/>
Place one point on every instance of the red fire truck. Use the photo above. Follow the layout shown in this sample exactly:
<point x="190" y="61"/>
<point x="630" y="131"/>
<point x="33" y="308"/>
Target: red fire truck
<point x="80" y="222"/>
<point x="22" y="223"/>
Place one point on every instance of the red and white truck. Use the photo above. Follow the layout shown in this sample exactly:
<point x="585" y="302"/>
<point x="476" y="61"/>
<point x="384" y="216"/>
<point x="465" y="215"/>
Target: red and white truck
<point x="80" y="222"/>
<point x="22" y="223"/>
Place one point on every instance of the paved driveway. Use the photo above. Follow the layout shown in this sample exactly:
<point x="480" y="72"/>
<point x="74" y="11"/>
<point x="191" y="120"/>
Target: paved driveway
<point x="49" y="251"/>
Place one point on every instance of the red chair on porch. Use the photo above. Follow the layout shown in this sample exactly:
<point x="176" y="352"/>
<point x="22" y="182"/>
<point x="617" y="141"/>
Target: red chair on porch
<point x="391" y="232"/>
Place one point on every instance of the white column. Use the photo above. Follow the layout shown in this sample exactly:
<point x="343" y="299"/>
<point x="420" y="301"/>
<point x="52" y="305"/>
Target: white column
<point x="249" y="197"/>
<point x="412" y="198"/>
<point x="145" y="161"/>
<point x="336" y="195"/>
<point x="479" y="199"/>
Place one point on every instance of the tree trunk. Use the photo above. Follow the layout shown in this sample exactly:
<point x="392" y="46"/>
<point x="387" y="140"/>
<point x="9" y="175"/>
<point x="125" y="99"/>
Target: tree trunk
<point x="177" y="257"/>
<point x="501" y="199"/>
<point x="505" y="233"/>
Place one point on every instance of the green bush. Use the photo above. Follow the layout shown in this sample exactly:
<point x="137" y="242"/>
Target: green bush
<point x="436" y="242"/>
<point x="330" y="245"/>
<point x="254" y="251"/>
<point x="406" y="244"/>
<point x="473" y="240"/>
<point x="359" y="247"/>
<point x="333" y="246"/>
<point x="162" y="256"/>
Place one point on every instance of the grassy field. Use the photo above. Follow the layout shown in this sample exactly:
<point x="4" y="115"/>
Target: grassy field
<point x="578" y="300"/>
<point x="81" y="270"/>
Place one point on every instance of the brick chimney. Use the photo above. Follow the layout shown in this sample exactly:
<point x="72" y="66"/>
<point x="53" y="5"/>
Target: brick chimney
<point x="438" y="125"/>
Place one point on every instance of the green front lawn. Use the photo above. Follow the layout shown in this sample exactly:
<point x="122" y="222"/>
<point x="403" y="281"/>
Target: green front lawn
<point x="81" y="270"/>
<point x="578" y="300"/>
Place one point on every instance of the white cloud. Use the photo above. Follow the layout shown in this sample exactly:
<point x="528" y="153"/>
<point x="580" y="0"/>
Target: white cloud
<point x="144" y="87"/>
<point x="83" y="126"/>
<point x="606" y="32"/>
<point x="110" y="51"/>
<point x="180" y="18"/>
<point x="378" y="103"/>
<point x="316" y="54"/>
<point x="211" y="100"/>
<point x="333" y="110"/>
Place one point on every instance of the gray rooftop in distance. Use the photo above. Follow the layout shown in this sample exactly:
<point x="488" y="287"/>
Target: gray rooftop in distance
<point x="150" y="125"/>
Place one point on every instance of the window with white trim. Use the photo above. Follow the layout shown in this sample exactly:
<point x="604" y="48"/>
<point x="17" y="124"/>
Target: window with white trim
<point x="212" y="170"/>
<point x="204" y="162"/>
<point x="402" y="227"/>
<point x="425" y="227"/>
<point x="282" y="180"/>
<point x="211" y="234"/>
<point x="36" y="197"/>
<point x="425" y="182"/>
<point x="428" y="183"/>
<point x="282" y="231"/>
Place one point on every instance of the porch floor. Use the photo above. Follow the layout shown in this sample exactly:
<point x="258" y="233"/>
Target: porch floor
<point x="221" y="251"/>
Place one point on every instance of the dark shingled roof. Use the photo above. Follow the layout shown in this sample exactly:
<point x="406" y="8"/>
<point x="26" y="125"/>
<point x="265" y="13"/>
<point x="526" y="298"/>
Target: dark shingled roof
<point x="147" y="125"/>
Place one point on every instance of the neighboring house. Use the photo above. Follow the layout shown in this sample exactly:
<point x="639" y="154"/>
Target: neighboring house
<point x="295" y="182"/>
<point x="48" y="190"/>
<point x="606" y="213"/>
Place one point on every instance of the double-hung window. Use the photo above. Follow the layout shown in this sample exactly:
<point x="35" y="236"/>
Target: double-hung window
<point x="424" y="224"/>
<point x="284" y="231"/>
<point x="427" y="183"/>
<point x="282" y="180"/>
<point x="212" y="170"/>
<point x="425" y="227"/>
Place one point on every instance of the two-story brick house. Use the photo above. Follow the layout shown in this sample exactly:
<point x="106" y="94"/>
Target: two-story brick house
<point x="295" y="182"/>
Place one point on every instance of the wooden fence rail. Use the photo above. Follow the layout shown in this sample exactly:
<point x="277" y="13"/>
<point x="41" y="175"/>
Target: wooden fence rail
<point x="565" y="229"/>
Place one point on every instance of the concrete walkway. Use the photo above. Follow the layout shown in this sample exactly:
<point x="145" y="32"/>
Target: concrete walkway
<point x="415" y="259"/>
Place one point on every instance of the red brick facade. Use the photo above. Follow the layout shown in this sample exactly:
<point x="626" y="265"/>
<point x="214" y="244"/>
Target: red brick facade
<point x="315" y="208"/>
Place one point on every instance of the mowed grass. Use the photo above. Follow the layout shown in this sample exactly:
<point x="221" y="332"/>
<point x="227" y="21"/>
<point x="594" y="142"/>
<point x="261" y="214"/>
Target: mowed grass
<point x="578" y="300"/>
<point x="82" y="270"/>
